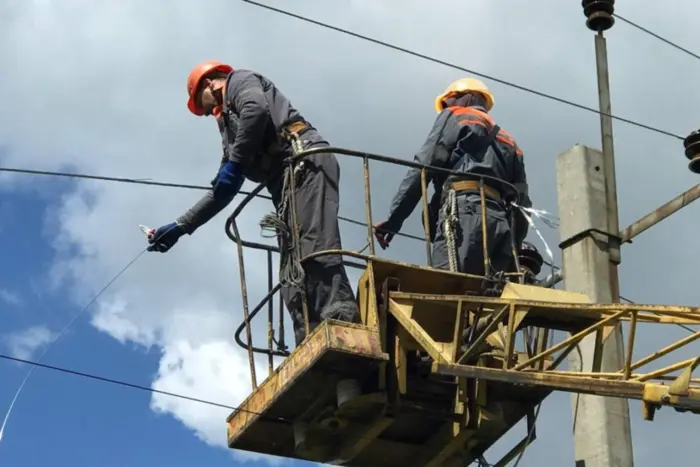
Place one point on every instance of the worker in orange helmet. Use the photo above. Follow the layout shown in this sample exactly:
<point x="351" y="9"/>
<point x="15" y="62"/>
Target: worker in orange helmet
<point x="465" y="138"/>
<point x="255" y="121"/>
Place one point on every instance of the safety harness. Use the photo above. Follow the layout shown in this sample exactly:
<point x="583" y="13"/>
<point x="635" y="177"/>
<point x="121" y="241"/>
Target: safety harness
<point x="291" y="272"/>
<point x="449" y="205"/>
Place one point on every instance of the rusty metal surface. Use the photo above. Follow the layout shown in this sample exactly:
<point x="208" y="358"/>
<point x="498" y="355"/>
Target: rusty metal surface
<point x="508" y="190"/>
<point x="424" y="316"/>
<point x="648" y="392"/>
<point x="654" y="313"/>
<point x="644" y="223"/>
<point x="415" y="319"/>
<point x="333" y="336"/>
<point x="660" y="213"/>
<point x="561" y="382"/>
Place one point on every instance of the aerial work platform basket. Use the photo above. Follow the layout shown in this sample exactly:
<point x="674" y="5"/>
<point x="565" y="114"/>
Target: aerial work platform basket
<point x="437" y="372"/>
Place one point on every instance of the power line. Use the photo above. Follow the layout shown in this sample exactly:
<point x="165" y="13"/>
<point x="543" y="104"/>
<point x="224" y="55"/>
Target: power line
<point x="141" y="181"/>
<point x="133" y="385"/>
<point x="466" y="70"/>
<point x="157" y="391"/>
<point x="200" y="187"/>
<point x="148" y="389"/>
<point x="653" y="34"/>
<point x="63" y="331"/>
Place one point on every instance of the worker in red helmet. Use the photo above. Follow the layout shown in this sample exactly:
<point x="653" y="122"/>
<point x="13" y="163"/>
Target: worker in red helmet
<point x="259" y="127"/>
<point x="465" y="138"/>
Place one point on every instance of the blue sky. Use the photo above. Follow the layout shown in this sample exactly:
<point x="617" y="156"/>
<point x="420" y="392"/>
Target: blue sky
<point x="77" y="421"/>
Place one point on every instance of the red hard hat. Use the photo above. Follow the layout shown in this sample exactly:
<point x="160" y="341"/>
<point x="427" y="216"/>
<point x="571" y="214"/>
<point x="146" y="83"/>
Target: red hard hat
<point x="195" y="78"/>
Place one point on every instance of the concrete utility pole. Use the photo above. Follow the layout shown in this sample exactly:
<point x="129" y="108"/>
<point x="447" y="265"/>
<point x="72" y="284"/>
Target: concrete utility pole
<point x="602" y="436"/>
<point x="591" y="253"/>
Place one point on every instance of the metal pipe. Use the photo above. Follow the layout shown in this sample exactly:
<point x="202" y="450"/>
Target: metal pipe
<point x="630" y="345"/>
<point x="665" y="351"/>
<point x="270" y="315"/>
<point x="606" y="129"/>
<point x="660" y="213"/>
<point x="253" y="314"/>
<point x="665" y="370"/>
<point x="246" y="314"/>
<point x="571" y="340"/>
<point x="280" y="327"/>
<point x="553" y="279"/>
<point x="368" y="206"/>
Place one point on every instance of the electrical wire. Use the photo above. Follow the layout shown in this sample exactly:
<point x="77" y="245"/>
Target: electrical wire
<point x="63" y="331"/>
<point x="140" y="387"/>
<point x="200" y="187"/>
<point x="67" y="326"/>
<point x="135" y="386"/>
<point x="466" y="70"/>
<point x="653" y="34"/>
<point x="117" y="382"/>
<point x="145" y="388"/>
<point x="141" y="181"/>
<point x="186" y="186"/>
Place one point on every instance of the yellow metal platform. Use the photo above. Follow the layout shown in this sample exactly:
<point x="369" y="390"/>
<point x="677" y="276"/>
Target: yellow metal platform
<point x="431" y="394"/>
<point x="303" y="389"/>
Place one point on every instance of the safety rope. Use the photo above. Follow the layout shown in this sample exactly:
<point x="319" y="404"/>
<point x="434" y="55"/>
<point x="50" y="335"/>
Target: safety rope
<point x="291" y="271"/>
<point x="450" y="214"/>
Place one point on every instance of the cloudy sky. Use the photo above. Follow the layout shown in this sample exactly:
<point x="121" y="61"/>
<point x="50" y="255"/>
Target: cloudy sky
<point x="99" y="87"/>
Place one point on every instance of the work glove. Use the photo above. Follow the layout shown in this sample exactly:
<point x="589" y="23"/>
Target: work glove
<point x="384" y="232"/>
<point x="228" y="181"/>
<point x="165" y="237"/>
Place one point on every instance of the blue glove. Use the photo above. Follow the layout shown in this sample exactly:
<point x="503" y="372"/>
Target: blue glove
<point x="228" y="181"/>
<point x="165" y="237"/>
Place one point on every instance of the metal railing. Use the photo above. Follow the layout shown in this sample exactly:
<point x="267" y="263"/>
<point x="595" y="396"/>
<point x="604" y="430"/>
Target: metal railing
<point x="509" y="192"/>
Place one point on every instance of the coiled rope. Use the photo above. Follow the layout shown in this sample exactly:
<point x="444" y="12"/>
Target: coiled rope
<point x="291" y="271"/>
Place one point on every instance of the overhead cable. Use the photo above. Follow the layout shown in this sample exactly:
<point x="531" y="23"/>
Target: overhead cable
<point x="141" y="181"/>
<point x="120" y="383"/>
<point x="466" y="70"/>
<point x="653" y="34"/>
<point x="199" y="187"/>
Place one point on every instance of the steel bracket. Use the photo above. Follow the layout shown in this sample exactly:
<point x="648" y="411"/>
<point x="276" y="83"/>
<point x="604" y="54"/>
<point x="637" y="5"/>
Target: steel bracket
<point x="613" y="242"/>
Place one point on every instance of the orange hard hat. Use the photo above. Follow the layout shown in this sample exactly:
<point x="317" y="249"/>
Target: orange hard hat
<point x="461" y="86"/>
<point x="195" y="78"/>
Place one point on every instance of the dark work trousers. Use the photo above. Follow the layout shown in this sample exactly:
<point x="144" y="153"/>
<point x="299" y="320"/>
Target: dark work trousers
<point x="468" y="237"/>
<point x="329" y="294"/>
<point x="469" y="244"/>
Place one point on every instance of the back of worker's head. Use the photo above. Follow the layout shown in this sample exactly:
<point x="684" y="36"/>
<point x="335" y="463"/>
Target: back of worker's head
<point x="465" y="92"/>
<point x="467" y="99"/>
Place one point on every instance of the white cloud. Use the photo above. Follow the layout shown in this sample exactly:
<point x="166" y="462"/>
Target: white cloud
<point x="188" y="369"/>
<point x="102" y="91"/>
<point x="10" y="297"/>
<point x="24" y="343"/>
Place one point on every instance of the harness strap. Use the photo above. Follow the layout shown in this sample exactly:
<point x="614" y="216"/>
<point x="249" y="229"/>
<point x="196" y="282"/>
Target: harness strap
<point x="473" y="185"/>
<point x="450" y="206"/>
